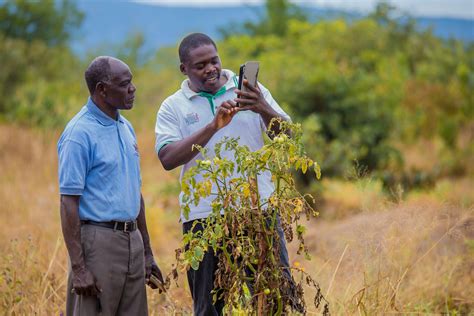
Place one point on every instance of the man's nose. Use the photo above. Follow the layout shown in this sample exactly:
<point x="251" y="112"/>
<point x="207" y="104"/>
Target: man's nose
<point x="132" y="88"/>
<point x="210" y="68"/>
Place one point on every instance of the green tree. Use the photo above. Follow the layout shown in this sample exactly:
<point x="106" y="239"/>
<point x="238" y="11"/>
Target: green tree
<point x="363" y="86"/>
<point x="33" y="53"/>
<point x="275" y="20"/>
<point x="48" y="21"/>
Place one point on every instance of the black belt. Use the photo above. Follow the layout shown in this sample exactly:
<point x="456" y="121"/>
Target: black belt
<point x="122" y="226"/>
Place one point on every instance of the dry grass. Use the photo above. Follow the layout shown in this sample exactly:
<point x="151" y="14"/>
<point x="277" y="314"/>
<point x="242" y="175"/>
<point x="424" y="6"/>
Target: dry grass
<point x="379" y="258"/>
<point x="410" y="257"/>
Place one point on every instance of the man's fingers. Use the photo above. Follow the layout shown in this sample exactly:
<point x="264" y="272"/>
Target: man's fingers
<point x="244" y="101"/>
<point x="89" y="290"/>
<point x="246" y="94"/>
<point x="227" y="107"/>
<point x="249" y="86"/>
<point x="232" y="103"/>
<point x="157" y="272"/>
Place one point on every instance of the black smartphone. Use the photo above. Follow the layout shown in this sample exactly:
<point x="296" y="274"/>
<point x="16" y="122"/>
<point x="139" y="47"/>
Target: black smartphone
<point x="241" y="76"/>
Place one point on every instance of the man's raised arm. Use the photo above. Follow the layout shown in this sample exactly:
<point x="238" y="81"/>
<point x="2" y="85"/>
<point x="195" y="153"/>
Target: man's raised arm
<point x="180" y="152"/>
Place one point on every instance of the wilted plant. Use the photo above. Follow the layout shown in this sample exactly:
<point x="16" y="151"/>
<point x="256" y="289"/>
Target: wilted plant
<point x="242" y="229"/>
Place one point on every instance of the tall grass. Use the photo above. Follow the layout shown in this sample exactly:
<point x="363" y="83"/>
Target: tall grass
<point x="371" y="256"/>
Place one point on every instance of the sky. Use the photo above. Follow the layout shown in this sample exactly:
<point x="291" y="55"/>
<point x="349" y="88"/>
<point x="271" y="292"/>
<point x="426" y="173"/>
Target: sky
<point x="428" y="8"/>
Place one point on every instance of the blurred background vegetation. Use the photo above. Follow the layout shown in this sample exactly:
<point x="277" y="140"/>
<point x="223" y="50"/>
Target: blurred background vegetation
<point x="367" y="90"/>
<point x="387" y="109"/>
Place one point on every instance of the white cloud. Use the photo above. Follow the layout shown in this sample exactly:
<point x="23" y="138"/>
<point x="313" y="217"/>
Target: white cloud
<point x="201" y="2"/>
<point x="445" y="8"/>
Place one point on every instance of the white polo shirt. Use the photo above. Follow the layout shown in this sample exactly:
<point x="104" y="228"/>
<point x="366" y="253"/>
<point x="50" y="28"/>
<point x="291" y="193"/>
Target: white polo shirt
<point x="185" y="112"/>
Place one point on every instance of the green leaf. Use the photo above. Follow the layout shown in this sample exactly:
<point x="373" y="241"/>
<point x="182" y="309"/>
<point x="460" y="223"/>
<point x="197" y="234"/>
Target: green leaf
<point x="300" y="229"/>
<point x="304" y="166"/>
<point x="317" y="170"/>
<point x="186" y="211"/>
<point x="194" y="264"/>
<point x="297" y="164"/>
<point x="198" y="253"/>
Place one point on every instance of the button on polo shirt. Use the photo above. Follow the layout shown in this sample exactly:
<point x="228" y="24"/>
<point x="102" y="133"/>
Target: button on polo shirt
<point x="99" y="160"/>
<point x="186" y="112"/>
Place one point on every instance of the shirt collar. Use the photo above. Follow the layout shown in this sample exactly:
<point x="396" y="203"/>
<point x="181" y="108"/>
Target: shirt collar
<point x="100" y="116"/>
<point x="230" y="84"/>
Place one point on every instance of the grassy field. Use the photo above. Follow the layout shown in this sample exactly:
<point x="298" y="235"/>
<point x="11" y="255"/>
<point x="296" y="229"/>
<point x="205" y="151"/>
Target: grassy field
<point x="372" y="254"/>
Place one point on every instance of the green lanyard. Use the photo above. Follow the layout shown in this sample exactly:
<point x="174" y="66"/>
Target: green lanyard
<point x="210" y="97"/>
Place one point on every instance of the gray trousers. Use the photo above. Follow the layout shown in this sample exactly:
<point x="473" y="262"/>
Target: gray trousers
<point x="117" y="260"/>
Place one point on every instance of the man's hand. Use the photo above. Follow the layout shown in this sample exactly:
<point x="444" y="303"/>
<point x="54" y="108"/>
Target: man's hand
<point x="151" y="268"/>
<point x="84" y="283"/>
<point x="252" y="99"/>
<point x="224" y="114"/>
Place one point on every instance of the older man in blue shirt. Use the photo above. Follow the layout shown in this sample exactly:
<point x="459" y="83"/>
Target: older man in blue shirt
<point x="102" y="210"/>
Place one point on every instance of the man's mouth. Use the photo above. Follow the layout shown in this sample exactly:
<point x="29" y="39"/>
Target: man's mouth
<point x="212" y="79"/>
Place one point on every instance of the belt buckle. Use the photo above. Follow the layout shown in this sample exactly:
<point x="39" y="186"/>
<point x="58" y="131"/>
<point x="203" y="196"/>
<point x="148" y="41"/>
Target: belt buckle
<point x="125" y="227"/>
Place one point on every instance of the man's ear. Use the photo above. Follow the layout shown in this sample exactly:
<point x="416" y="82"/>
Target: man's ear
<point x="100" y="89"/>
<point x="182" y="68"/>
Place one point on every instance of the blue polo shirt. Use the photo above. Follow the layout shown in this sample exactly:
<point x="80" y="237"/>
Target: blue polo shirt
<point x="99" y="160"/>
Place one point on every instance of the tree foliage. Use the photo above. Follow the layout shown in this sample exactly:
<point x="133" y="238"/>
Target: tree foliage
<point x="361" y="86"/>
<point x="51" y="22"/>
<point x="38" y="69"/>
<point x="274" y="21"/>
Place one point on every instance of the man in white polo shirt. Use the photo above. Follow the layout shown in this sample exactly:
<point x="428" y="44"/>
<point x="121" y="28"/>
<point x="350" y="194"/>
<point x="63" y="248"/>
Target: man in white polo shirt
<point x="203" y="112"/>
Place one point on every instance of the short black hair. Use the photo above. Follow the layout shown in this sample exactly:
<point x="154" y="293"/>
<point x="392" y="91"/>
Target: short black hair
<point x="98" y="70"/>
<point x="192" y="41"/>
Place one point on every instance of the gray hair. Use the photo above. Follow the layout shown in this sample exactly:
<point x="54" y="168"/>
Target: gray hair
<point x="98" y="70"/>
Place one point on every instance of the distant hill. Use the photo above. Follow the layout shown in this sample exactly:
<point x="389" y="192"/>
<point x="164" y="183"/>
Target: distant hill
<point x="109" y="23"/>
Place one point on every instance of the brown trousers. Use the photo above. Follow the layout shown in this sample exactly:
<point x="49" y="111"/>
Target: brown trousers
<point x="116" y="259"/>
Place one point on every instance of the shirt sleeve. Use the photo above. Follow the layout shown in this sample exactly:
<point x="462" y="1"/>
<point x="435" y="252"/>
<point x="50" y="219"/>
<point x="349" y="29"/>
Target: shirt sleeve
<point x="268" y="97"/>
<point x="167" y="127"/>
<point x="73" y="166"/>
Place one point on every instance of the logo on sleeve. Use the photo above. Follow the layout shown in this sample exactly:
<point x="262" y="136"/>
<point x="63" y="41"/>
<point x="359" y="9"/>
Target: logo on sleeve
<point x="191" y="118"/>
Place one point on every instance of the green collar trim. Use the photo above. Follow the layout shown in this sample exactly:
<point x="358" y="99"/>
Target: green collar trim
<point x="210" y="97"/>
<point x="207" y="95"/>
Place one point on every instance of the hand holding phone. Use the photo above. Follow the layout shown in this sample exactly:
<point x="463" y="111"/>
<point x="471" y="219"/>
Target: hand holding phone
<point x="248" y="71"/>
